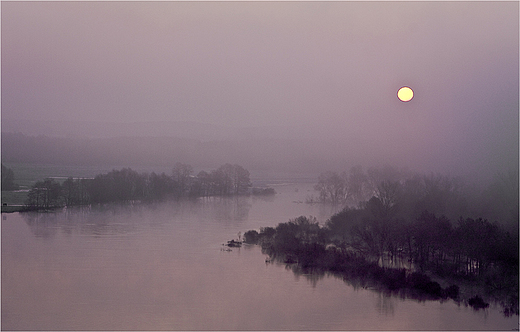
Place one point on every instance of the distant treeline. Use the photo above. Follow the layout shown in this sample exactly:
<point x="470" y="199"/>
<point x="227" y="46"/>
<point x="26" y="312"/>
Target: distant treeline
<point x="406" y="194"/>
<point x="129" y="185"/>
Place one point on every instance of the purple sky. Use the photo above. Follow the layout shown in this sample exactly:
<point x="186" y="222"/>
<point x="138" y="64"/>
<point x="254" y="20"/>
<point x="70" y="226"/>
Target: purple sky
<point x="331" y="69"/>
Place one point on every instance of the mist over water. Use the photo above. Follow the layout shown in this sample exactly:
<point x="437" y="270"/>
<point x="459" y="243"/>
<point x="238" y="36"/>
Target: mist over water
<point x="162" y="266"/>
<point x="300" y="86"/>
<point x="288" y="90"/>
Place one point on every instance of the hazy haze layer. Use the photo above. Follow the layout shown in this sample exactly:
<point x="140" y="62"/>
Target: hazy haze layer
<point x="325" y="73"/>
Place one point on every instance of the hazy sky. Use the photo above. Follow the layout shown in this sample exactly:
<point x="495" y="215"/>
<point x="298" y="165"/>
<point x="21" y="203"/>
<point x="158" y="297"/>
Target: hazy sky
<point x="331" y="68"/>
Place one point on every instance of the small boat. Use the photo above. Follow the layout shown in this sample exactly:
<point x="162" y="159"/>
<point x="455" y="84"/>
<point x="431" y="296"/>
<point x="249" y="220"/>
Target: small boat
<point x="234" y="244"/>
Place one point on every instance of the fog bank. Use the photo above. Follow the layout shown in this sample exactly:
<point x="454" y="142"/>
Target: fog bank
<point x="299" y="85"/>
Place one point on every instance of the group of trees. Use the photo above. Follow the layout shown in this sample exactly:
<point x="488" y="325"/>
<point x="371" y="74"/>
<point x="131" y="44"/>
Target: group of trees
<point x="411" y="193"/>
<point x="394" y="220"/>
<point x="306" y="246"/>
<point x="469" y="247"/>
<point x="351" y="188"/>
<point x="129" y="185"/>
<point x="353" y="242"/>
<point x="420" y="218"/>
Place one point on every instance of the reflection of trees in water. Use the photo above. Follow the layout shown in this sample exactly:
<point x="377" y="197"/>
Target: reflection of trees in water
<point x="98" y="221"/>
<point x="264" y="198"/>
<point x="123" y="218"/>
<point x="396" y="262"/>
<point x="385" y="304"/>
<point x="234" y="208"/>
<point x="42" y="224"/>
<point x="385" y="297"/>
<point x="311" y="275"/>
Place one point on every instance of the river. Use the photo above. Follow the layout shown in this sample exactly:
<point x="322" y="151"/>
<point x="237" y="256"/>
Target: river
<point x="162" y="266"/>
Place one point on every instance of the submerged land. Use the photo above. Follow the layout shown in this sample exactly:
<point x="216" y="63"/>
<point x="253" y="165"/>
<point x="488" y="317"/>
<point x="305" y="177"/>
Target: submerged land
<point x="402" y="237"/>
<point x="398" y="242"/>
<point x="417" y="272"/>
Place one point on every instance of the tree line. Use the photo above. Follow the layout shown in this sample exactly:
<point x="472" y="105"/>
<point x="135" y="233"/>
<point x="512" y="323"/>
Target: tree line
<point x="129" y="185"/>
<point x="358" y="186"/>
<point x="353" y="243"/>
<point x="401" y="226"/>
<point x="431" y="220"/>
<point x="467" y="248"/>
<point x="411" y="193"/>
<point x="470" y="248"/>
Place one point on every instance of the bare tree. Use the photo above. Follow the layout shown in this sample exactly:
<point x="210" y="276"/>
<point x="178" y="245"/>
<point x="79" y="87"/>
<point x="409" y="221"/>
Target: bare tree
<point x="181" y="174"/>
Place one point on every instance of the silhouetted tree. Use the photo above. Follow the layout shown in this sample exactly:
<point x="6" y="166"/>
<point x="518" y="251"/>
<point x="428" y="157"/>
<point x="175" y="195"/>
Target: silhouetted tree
<point x="118" y="185"/>
<point x="159" y="186"/>
<point x="203" y="184"/>
<point x="241" y="180"/>
<point x="182" y="176"/>
<point x="500" y="200"/>
<point x="476" y="237"/>
<point x="8" y="179"/>
<point x="388" y="192"/>
<point x="44" y="194"/>
<point x="358" y="183"/>
<point x="251" y="237"/>
<point x="71" y="192"/>
<point x="341" y="225"/>
<point x="230" y="180"/>
<point x="333" y="188"/>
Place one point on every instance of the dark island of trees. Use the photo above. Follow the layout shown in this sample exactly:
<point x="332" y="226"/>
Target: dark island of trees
<point x="397" y="242"/>
<point x="128" y="185"/>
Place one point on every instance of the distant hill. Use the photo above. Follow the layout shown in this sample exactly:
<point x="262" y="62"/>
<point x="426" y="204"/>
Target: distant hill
<point x="279" y="149"/>
<point x="254" y="154"/>
<point x="311" y="149"/>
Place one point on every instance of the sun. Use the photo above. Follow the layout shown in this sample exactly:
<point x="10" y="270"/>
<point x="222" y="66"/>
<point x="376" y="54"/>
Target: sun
<point x="405" y="93"/>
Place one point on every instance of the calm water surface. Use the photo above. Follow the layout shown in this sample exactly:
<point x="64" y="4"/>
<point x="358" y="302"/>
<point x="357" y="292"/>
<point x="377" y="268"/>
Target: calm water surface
<point x="163" y="267"/>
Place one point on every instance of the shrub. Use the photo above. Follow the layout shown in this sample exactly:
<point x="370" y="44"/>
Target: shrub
<point x="452" y="292"/>
<point x="424" y="284"/>
<point x="477" y="303"/>
<point x="394" y="279"/>
<point x="251" y="237"/>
